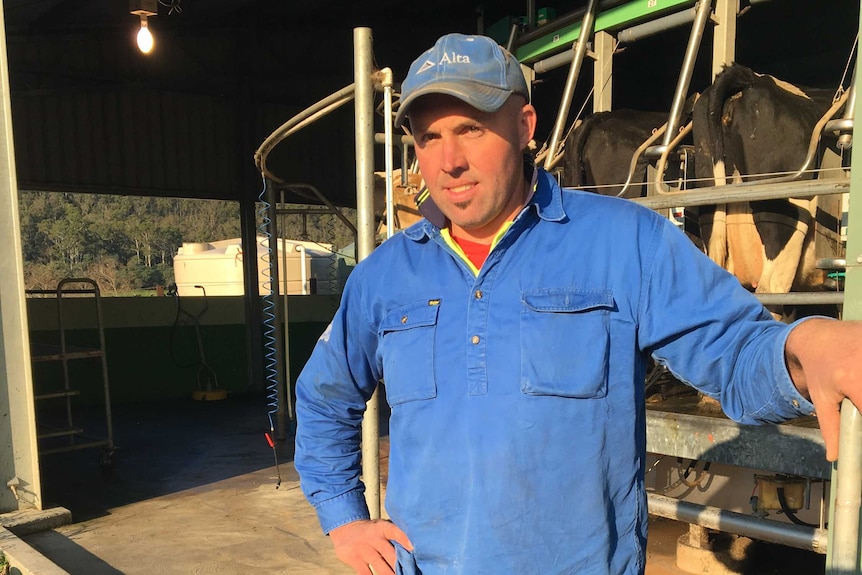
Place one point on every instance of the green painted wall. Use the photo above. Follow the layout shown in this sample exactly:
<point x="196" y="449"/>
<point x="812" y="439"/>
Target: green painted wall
<point x="152" y="352"/>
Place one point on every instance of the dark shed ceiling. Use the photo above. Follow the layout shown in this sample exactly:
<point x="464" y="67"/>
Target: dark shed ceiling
<point x="92" y="114"/>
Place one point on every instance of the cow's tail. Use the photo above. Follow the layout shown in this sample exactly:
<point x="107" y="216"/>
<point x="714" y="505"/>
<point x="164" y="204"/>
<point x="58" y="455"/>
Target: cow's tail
<point x="574" y="172"/>
<point x="731" y="80"/>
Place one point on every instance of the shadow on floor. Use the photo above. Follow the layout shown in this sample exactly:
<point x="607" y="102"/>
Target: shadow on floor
<point x="193" y="491"/>
<point x="162" y="448"/>
<point x="66" y="552"/>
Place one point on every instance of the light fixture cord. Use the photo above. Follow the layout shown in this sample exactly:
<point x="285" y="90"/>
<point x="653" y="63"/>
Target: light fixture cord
<point x="172" y="6"/>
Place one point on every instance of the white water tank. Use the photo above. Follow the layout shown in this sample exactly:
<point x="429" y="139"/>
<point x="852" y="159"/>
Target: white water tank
<point x="217" y="267"/>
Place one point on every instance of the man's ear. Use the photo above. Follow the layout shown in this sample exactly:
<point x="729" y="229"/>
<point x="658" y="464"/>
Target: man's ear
<point x="527" y="125"/>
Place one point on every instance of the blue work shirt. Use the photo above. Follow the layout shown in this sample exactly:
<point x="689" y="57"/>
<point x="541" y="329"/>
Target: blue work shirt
<point x="517" y="430"/>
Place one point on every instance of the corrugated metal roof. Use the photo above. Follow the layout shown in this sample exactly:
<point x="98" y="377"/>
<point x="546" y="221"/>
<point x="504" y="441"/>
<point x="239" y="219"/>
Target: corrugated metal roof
<point x="92" y="114"/>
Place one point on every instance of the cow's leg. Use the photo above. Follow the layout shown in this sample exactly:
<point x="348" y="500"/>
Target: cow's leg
<point x="715" y="237"/>
<point x="713" y="226"/>
<point x="783" y="227"/>
<point x="745" y="252"/>
<point x="744" y="249"/>
<point x="808" y="277"/>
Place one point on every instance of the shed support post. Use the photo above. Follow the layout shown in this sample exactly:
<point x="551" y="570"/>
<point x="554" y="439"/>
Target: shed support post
<point x="19" y="457"/>
<point x="364" y="118"/>
<point x="724" y="34"/>
<point x="603" y="71"/>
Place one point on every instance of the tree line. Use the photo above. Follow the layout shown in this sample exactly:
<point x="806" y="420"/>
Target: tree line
<point x="128" y="243"/>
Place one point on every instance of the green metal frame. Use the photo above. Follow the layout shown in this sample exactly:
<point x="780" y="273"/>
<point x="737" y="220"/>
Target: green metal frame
<point x="615" y="18"/>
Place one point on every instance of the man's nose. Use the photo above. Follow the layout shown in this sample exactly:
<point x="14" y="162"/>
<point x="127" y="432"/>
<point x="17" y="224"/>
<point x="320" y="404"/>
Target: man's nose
<point x="453" y="158"/>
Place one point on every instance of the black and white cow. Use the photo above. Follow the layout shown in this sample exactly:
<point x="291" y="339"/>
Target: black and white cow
<point x="749" y="126"/>
<point x="598" y="153"/>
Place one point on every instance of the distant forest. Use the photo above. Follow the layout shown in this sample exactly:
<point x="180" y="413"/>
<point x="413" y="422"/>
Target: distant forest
<point x="128" y="244"/>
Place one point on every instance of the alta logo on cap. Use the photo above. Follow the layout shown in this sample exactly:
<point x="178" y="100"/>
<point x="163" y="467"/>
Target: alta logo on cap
<point x="426" y="65"/>
<point x="447" y="58"/>
<point x="454" y="58"/>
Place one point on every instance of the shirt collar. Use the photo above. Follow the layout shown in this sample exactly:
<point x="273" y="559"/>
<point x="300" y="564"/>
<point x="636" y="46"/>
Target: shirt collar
<point x="548" y="198"/>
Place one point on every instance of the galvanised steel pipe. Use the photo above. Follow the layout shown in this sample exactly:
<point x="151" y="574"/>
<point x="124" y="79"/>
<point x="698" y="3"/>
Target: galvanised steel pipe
<point x="801" y="298"/>
<point x="553" y="62"/>
<point x="653" y="27"/>
<point x="310" y="114"/>
<point x="580" y="49"/>
<point x="799" y="536"/>
<point x="848" y="495"/>
<point x="704" y="9"/>
<point x="363" y="72"/>
<point x="746" y="192"/>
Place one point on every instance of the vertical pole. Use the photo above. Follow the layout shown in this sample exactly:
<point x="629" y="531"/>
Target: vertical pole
<point x="285" y="344"/>
<point x="364" y="131"/>
<point x="603" y="71"/>
<point x="704" y="9"/>
<point x="19" y="458"/>
<point x="251" y="301"/>
<point x="386" y="78"/>
<point x="580" y="48"/>
<point x="724" y="35"/>
<point x="843" y="548"/>
<point x="531" y="15"/>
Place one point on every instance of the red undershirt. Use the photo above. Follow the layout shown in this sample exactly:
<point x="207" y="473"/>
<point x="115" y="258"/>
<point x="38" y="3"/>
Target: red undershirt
<point x="475" y="252"/>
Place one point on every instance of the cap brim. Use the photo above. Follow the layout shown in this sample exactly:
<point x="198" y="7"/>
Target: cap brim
<point x="480" y="96"/>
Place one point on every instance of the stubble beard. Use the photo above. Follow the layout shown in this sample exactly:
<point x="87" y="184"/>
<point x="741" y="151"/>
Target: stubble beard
<point x="461" y="208"/>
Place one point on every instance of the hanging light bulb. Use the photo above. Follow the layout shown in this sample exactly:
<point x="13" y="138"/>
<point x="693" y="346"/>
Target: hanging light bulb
<point x="144" y="9"/>
<point x="145" y="37"/>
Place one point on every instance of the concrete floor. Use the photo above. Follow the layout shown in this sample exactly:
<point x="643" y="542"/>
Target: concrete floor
<point x="193" y="491"/>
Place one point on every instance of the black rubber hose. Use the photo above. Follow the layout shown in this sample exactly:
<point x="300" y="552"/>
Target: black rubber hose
<point x="782" y="501"/>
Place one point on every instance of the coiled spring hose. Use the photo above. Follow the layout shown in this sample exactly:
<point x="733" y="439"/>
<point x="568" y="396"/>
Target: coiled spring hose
<point x="269" y="326"/>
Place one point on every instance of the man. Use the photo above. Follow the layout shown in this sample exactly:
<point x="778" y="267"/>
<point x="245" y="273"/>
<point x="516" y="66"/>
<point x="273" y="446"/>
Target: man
<point x="513" y="329"/>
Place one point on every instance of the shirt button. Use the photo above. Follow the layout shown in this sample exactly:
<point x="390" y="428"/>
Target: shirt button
<point x="795" y="403"/>
<point x="475" y="339"/>
<point x="478" y="294"/>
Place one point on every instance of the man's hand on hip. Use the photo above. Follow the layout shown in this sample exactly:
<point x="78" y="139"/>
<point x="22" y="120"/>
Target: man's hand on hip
<point x="367" y="545"/>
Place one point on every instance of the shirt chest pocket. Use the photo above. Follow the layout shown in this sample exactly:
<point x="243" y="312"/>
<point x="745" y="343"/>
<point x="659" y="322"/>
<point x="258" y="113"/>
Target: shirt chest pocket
<point x="565" y="342"/>
<point x="407" y="352"/>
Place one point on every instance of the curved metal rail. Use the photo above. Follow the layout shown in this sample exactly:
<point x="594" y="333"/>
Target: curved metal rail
<point x="304" y="118"/>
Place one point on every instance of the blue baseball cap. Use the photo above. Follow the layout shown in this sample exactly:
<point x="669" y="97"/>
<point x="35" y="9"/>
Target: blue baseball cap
<point x="474" y="69"/>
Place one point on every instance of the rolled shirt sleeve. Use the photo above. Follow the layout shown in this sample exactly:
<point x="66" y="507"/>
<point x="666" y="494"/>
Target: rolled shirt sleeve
<point x="710" y="332"/>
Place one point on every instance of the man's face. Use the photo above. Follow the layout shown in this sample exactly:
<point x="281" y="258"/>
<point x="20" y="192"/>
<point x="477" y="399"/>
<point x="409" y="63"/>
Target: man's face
<point x="472" y="160"/>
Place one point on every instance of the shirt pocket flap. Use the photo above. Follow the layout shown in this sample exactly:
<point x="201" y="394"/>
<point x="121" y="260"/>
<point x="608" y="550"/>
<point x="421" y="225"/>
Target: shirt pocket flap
<point x="418" y="314"/>
<point x="571" y="300"/>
